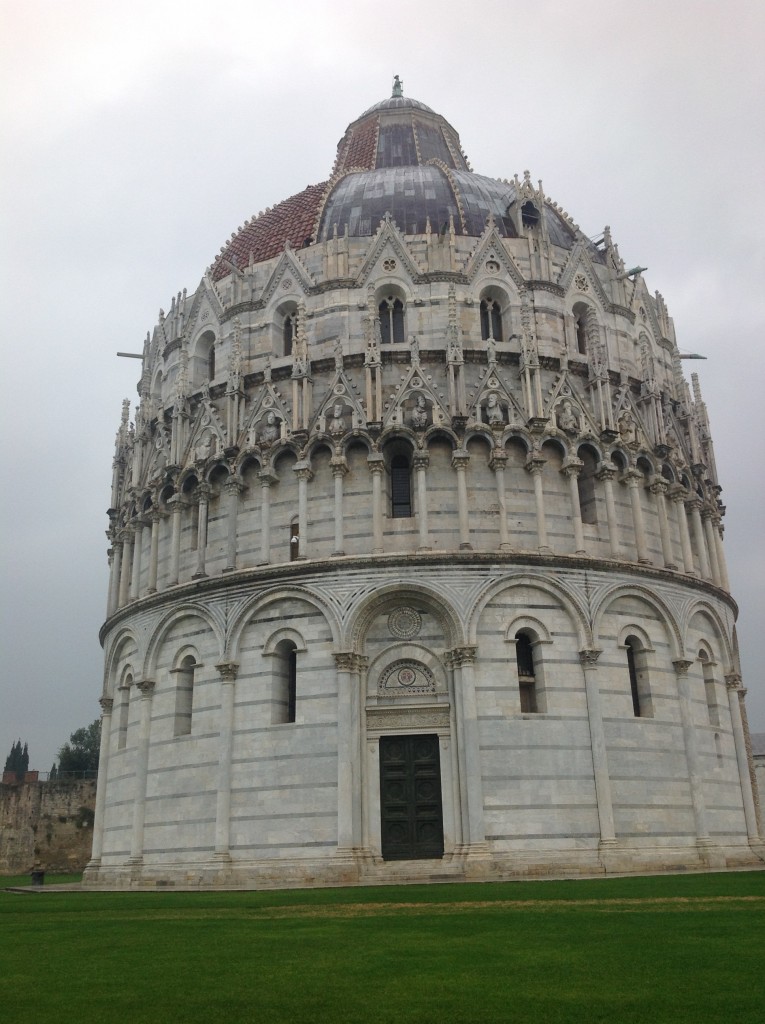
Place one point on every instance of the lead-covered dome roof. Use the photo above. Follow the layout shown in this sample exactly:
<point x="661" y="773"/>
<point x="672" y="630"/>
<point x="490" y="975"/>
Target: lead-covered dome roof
<point x="399" y="157"/>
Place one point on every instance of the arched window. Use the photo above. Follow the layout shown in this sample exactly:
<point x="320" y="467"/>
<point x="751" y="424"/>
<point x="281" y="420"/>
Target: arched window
<point x="529" y="214"/>
<point x="527" y="676"/>
<point x="710" y="691"/>
<point x="184" y="696"/>
<point x="211" y="362"/>
<point x="294" y="541"/>
<point x="491" y="320"/>
<point x="289" y="330"/>
<point x="391" y="312"/>
<point x="284" y="697"/>
<point x="400" y="486"/>
<point x="637" y="668"/>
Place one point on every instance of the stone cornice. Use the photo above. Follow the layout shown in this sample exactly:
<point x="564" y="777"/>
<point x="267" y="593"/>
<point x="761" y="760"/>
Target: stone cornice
<point x="291" y="573"/>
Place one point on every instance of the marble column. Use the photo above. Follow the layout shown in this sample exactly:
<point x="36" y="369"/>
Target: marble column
<point x="694" y="506"/>
<point x="376" y="465"/>
<point x="304" y="474"/>
<point x="714" y="566"/>
<point x="420" y="461"/>
<point x="471" y="784"/>
<point x="497" y="463"/>
<point x="460" y="462"/>
<point x="228" y="671"/>
<point x="267" y="479"/>
<point x="127" y="558"/>
<point x="114" y="578"/>
<point x="695" y="774"/>
<point x="634" y="479"/>
<point x="339" y="466"/>
<point x="588" y="660"/>
<point x="735" y="693"/>
<point x="177" y="505"/>
<point x="571" y="469"/>
<point x="146" y="689"/>
<point x="135" y="572"/>
<point x="659" y="489"/>
<point x="606" y="475"/>
<point x="721" y="560"/>
<point x="349" y="754"/>
<point x="535" y="464"/>
<point x="107" y="704"/>
<point x="203" y="498"/>
<point x="156" y="519"/>
<point x="233" y="488"/>
<point x="678" y="495"/>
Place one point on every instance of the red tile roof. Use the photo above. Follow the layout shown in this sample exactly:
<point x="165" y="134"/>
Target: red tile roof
<point x="291" y="220"/>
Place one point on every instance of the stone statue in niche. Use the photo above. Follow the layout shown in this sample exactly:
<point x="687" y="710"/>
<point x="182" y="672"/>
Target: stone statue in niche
<point x="566" y="418"/>
<point x="494" y="414"/>
<point x="269" y="431"/>
<point x="336" y="421"/>
<point x="419" y="414"/>
<point x="204" y="447"/>
<point x="626" y="425"/>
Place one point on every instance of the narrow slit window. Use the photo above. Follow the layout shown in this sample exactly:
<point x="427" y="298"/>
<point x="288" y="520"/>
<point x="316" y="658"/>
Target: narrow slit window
<point x="391" y="312"/>
<point x="491" y="320"/>
<point x="400" y="487"/>
<point x="527" y="679"/>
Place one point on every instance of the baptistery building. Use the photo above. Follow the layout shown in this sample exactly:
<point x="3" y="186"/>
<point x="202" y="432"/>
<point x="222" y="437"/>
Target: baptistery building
<point x="416" y="555"/>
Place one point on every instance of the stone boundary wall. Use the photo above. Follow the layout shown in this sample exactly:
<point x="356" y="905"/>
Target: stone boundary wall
<point x="46" y="823"/>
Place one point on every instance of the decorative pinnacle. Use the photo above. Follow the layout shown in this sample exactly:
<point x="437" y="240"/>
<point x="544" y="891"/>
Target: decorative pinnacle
<point x="398" y="87"/>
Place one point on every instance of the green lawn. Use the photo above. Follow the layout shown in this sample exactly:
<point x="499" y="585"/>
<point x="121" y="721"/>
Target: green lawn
<point x="652" y="949"/>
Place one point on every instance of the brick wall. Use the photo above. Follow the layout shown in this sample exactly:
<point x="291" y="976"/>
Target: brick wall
<point x="50" y="823"/>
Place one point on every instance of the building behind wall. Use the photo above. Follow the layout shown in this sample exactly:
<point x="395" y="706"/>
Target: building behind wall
<point x="416" y="552"/>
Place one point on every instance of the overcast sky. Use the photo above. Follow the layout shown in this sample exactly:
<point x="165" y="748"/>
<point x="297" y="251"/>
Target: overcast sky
<point x="137" y="137"/>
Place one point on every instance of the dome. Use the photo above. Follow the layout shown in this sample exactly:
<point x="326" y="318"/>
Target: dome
<point x="416" y="566"/>
<point x="400" y="158"/>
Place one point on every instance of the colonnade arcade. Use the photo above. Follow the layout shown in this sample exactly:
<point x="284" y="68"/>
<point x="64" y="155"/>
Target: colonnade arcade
<point x="515" y="492"/>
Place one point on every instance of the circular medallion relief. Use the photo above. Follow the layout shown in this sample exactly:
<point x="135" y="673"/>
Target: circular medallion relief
<point x="406" y="676"/>
<point x="389" y="265"/>
<point x="404" y="623"/>
<point x="492" y="266"/>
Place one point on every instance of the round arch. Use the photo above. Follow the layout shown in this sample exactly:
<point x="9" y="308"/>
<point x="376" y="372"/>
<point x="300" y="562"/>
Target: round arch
<point x="252" y="606"/>
<point x="164" y="625"/>
<point x="575" y="612"/>
<point x="659" y="606"/>
<point x="392" y="596"/>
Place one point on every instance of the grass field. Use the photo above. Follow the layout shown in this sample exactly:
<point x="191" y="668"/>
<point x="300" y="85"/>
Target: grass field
<point x="651" y="949"/>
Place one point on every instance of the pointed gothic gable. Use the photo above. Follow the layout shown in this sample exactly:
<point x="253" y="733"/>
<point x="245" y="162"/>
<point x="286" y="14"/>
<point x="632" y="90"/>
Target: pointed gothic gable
<point x="564" y="401"/>
<point x="388" y="243"/>
<point x="207" y="434"/>
<point x="288" y="263"/>
<point x="343" y="392"/>
<point x="677" y="441"/>
<point x="154" y="467"/>
<point x="579" y="262"/>
<point x="480" y="405"/>
<point x="491" y="247"/>
<point x="399" y="407"/>
<point x="642" y="305"/>
<point x="204" y="312"/>
<point x="258" y="427"/>
<point x="629" y="420"/>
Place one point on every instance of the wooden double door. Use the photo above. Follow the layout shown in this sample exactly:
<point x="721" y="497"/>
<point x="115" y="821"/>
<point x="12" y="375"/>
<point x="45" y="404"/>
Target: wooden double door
<point x="412" y="821"/>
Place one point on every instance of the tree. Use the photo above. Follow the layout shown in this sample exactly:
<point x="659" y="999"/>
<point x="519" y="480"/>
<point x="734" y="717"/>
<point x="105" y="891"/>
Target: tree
<point x="18" y="760"/>
<point x="80" y="754"/>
